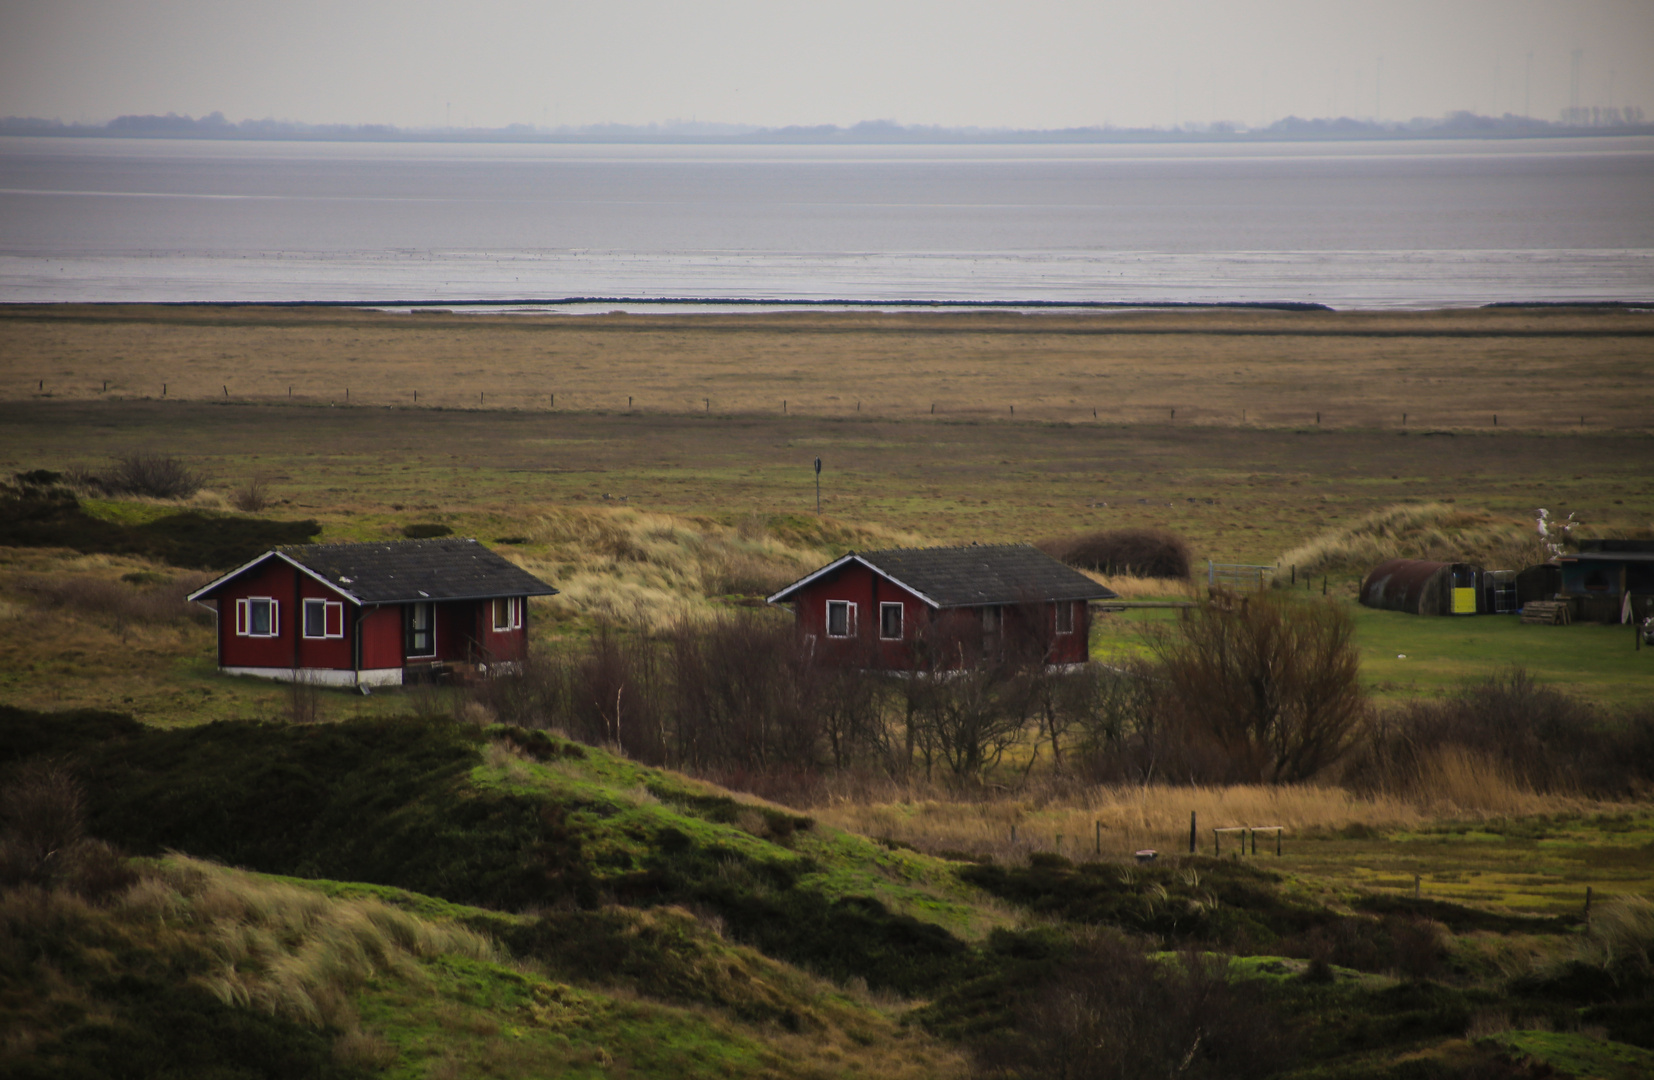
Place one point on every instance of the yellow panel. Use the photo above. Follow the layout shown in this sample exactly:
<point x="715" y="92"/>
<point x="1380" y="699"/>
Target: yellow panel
<point x="1464" y="601"/>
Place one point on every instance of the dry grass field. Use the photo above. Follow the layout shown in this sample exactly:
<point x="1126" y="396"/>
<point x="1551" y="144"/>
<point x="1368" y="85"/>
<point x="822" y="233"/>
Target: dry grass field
<point x="1535" y="369"/>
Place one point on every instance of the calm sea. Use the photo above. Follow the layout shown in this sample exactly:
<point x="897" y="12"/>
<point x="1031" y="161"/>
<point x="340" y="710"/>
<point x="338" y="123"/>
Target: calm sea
<point x="1395" y="224"/>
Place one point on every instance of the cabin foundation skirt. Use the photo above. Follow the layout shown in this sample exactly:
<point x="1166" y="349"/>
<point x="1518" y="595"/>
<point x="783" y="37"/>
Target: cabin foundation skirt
<point x="322" y="676"/>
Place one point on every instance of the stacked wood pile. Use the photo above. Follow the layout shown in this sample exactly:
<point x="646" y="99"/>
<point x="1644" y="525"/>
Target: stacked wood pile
<point x="1547" y="612"/>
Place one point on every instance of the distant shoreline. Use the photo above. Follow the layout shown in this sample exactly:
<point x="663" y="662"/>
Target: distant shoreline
<point x="875" y="133"/>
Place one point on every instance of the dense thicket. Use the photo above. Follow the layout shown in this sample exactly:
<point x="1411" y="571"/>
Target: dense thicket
<point x="1146" y="553"/>
<point x="1262" y="689"/>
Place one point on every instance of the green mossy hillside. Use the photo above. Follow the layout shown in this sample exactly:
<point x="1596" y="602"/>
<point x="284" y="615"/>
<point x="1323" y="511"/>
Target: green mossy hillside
<point x="510" y="820"/>
<point x="200" y="971"/>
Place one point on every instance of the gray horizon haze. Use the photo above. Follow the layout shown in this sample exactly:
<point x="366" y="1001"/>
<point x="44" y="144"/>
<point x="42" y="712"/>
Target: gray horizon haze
<point x="425" y="64"/>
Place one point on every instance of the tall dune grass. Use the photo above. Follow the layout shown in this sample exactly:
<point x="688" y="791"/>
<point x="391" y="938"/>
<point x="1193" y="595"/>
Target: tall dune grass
<point x="1418" y="531"/>
<point x="652" y="570"/>
<point x="290" y="951"/>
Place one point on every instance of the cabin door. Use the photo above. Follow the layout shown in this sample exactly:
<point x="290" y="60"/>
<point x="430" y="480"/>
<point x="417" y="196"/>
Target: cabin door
<point x="420" y="624"/>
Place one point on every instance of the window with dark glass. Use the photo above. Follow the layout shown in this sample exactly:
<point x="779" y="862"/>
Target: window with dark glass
<point x="1065" y="617"/>
<point x="841" y="619"/>
<point x="890" y="621"/>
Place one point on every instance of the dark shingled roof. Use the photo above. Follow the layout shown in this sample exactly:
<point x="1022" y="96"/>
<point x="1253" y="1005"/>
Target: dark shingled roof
<point x="978" y="574"/>
<point x="395" y="571"/>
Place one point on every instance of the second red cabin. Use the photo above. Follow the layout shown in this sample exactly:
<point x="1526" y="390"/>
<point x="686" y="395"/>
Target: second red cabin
<point x="909" y="609"/>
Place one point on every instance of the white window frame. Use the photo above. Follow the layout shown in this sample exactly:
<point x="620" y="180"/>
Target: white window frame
<point x="513" y="614"/>
<point x="328" y="607"/>
<point x="901" y="617"/>
<point x="849" y="619"/>
<point x="244" y="616"/>
<point x="1066" y="607"/>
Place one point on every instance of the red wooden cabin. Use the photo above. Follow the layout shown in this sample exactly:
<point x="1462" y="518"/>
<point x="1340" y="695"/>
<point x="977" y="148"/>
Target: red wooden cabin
<point x="909" y="609"/>
<point x="375" y="614"/>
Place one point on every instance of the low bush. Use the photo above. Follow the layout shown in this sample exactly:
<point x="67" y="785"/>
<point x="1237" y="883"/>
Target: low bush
<point x="1109" y="1011"/>
<point x="146" y="601"/>
<point x="426" y="530"/>
<point x="1144" y="553"/>
<point x="191" y="539"/>
<point x="156" y="476"/>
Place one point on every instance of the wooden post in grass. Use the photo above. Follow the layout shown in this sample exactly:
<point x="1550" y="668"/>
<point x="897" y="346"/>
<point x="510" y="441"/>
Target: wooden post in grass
<point x="1013" y="835"/>
<point x="1317" y="418"/>
<point x="1254" y="841"/>
<point x="106" y="386"/>
<point x="163" y="389"/>
<point x="226" y="391"/>
<point x="1587" y="905"/>
<point x="629" y="403"/>
<point x="1191" y="832"/>
<point x="1403" y="419"/>
<point x="1323" y="585"/>
<point x="1099" y="838"/>
<point x="1278" y="843"/>
<point x="1418" y="886"/>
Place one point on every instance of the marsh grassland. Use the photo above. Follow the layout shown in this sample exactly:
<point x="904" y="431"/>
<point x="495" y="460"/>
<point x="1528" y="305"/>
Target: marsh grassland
<point x="446" y="882"/>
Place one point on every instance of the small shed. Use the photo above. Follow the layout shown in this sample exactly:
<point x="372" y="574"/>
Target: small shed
<point x="911" y="608"/>
<point x="371" y="614"/>
<point x="1424" y="587"/>
<point x="1600" y="576"/>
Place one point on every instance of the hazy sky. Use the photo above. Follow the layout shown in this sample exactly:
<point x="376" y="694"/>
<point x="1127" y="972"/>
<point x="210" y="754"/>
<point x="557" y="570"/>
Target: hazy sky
<point x="773" y="62"/>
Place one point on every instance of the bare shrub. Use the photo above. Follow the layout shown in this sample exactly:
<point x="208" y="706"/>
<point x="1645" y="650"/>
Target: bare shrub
<point x="304" y="698"/>
<point x="252" y="496"/>
<point x="41" y="819"/>
<point x="157" y="476"/>
<point x="1111" y="1012"/>
<point x="1144" y="553"/>
<point x="1263" y="687"/>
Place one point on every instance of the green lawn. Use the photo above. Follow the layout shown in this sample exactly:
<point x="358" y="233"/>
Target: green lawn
<point x="1409" y="656"/>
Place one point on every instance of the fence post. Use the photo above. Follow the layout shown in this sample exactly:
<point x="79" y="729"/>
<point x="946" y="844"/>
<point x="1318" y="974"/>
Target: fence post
<point x="1587" y="905"/>
<point x="1277" y="843"/>
<point x="1099" y="838"/>
<point x="1191" y="832"/>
